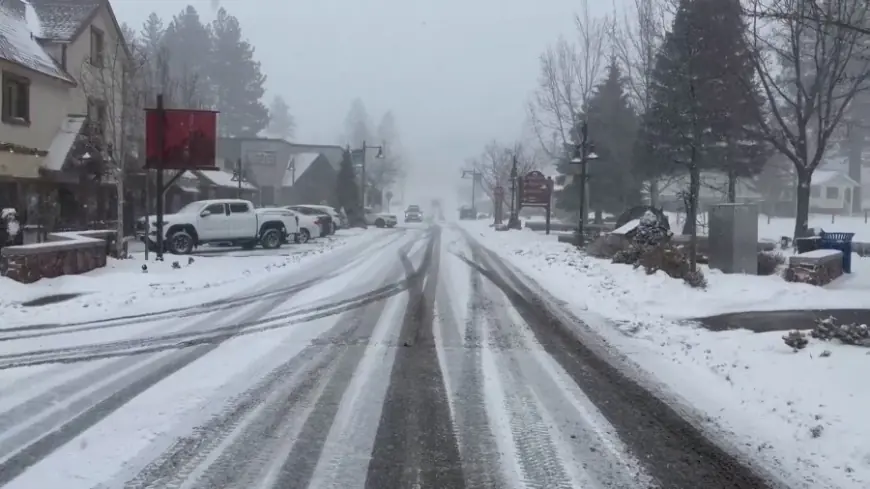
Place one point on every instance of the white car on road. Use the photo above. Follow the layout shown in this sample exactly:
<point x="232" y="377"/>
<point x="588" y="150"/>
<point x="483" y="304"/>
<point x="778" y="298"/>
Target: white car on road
<point x="380" y="219"/>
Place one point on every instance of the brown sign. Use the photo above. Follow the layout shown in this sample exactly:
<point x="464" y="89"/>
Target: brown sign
<point x="536" y="189"/>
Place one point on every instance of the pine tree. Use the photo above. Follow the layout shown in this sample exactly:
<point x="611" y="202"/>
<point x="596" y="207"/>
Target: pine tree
<point x="188" y="46"/>
<point x="281" y="123"/>
<point x="347" y="191"/>
<point x="151" y="35"/>
<point x="357" y="125"/>
<point x="237" y="80"/>
<point x="612" y="127"/>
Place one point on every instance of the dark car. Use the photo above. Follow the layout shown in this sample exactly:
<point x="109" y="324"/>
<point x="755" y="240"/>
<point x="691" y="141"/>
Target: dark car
<point x="413" y="214"/>
<point x="466" y="213"/>
<point x="327" y="226"/>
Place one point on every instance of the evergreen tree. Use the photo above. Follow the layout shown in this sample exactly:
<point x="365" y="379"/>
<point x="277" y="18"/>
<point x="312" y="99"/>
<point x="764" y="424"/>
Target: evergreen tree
<point x="357" y="125"/>
<point x="151" y="36"/>
<point x="612" y="127"/>
<point x="347" y="191"/>
<point x="237" y="80"/>
<point x="188" y="44"/>
<point x="281" y="123"/>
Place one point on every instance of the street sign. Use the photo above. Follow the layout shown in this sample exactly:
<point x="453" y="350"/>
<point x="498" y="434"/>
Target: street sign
<point x="536" y="189"/>
<point x="499" y="191"/>
<point x="389" y="195"/>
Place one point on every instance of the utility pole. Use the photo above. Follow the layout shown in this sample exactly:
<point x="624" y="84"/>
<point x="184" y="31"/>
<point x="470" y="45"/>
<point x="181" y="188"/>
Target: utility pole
<point x="363" y="182"/>
<point x="475" y="179"/>
<point x="238" y="177"/>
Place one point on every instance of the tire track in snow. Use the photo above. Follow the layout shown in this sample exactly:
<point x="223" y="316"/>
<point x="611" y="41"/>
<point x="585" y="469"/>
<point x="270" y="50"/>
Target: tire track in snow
<point x="67" y="424"/>
<point x="246" y="298"/>
<point x="675" y="453"/>
<point x="415" y="445"/>
<point x="235" y="447"/>
<point x="460" y="352"/>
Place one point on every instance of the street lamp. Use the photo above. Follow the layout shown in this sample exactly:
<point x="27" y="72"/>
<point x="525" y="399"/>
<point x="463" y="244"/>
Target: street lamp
<point x="584" y="152"/>
<point x="514" y="221"/>
<point x="379" y="156"/>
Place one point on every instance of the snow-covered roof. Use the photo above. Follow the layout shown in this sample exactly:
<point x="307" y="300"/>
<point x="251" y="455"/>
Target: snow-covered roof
<point x="301" y="162"/>
<point x="18" y="44"/>
<point x="224" y="179"/>
<point x="61" y="20"/>
<point x="63" y="142"/>
<point x="824" y="177"/>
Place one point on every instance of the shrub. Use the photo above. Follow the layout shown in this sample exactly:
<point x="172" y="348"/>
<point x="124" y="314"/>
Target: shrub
<point x="769" y="261"/>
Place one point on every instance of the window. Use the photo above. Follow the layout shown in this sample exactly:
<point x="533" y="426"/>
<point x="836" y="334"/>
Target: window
<point x="216" y="209"/>
<point x="97" y="116"/>
<point x="239" y="208"/>
<point x="832" y="192"/>
<point x="96" y="47"/>
<point x="815" y="191"/>
<point x="16" y="99"/>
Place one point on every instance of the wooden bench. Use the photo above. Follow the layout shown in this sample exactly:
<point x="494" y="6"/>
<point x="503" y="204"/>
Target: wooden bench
<point x="817" y="267"/>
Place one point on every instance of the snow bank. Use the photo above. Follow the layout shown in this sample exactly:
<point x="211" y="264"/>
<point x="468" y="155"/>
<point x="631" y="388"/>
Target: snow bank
<point x="122" y="284"/>
<point x="798" y="412"/>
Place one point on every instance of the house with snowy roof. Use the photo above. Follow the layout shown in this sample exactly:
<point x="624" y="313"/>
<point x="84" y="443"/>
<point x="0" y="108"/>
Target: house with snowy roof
<point x="54" y="57"/>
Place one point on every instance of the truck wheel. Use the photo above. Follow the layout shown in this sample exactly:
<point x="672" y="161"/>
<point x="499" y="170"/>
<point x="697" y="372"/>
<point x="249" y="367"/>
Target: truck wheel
<point x="180" y="243"/>
<point x="302" y="236"/>
<point x="271" y="239"/>
<point x="380" y="223"/>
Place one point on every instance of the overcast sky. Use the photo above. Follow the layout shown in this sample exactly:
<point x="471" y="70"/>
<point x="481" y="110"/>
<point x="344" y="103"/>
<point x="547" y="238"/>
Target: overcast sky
<point x="456" y="73"/>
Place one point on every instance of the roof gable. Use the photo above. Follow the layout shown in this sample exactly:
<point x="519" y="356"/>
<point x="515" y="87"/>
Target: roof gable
<point x="18" y="44"/>
<point x="832" y="177"/>
<point x="297" y="166"/>
<point x="66" y="20"/>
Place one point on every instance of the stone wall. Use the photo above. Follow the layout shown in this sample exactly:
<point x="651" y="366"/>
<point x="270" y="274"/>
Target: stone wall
<point x="67" y="253"/>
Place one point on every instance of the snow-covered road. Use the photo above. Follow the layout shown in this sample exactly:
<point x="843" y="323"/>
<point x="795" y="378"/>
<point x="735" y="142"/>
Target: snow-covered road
<point x="413" y="360"/>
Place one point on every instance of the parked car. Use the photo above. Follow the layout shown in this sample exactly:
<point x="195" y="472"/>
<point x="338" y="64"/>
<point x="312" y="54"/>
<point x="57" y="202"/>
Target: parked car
<point x="466" y="213"/>
<point x="338" y="218"/>
<point x="380" y="219"/>
<point x="413" y="214"/>
<point x="221" y="221"/>
<point x="309" y="226"/>
<point x="322" y="217"/>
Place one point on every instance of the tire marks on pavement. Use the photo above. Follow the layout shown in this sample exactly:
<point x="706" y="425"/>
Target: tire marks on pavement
<point x="674" y="452"/>
<point x="415" y="445"/>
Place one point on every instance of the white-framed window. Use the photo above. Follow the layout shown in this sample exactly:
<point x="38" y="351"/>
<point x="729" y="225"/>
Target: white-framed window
<point x="832" y="192"/>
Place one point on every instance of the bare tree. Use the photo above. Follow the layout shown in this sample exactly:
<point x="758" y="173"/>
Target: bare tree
<point x="569" y="72"/>
<point x="495" y="163"/>
<point x="114" y="116"/>
<point x="811" y="70"/>
<point x="636" y="41"/>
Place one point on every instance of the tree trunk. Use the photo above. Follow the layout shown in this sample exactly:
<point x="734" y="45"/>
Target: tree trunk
<point x="732" y="186"/>
<point x="802" y="193"/>
<point x="119" y="227"/>
<point x="692" y="214"/>
<point x="653" y="193"/>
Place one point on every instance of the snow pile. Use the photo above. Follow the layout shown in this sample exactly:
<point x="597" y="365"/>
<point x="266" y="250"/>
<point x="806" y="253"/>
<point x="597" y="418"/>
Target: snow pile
<point x="135" y="286"/>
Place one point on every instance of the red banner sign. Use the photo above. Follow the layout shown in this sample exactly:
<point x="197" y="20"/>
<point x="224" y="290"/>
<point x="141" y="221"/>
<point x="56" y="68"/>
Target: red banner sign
<point x="536" y="189"/>
<point x="189" y="139"/>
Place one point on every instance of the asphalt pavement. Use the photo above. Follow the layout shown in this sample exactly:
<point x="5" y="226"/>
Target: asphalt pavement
<point x="429" y="364"/>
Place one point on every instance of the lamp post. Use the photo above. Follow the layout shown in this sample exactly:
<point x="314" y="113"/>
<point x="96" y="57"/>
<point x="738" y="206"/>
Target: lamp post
<point x="363" y="182"/>
<point x="583" y="153"/>
<point x="514" y="221"/>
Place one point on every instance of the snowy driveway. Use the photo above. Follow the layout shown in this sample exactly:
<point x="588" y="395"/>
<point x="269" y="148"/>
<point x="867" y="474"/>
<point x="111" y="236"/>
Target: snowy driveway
<point x="416" y="359"/>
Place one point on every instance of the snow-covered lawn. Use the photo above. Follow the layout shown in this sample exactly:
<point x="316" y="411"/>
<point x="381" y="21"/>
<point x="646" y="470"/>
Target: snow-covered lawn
<point x="123" y="288"/>
<point x="802" y="413"/>
<point x="774" y="228"/>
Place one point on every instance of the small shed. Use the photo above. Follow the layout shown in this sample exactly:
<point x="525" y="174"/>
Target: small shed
<point x="831" y="190"/>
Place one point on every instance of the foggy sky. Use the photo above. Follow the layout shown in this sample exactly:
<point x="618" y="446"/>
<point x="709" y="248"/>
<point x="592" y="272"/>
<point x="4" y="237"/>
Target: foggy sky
<point x="456" y="73"/>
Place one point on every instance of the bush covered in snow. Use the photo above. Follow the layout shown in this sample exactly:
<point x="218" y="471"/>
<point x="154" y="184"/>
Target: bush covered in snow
<point x="769" y="261"/>
<point x="651" y="249"/>
<point x="607" y="246"/>
<point x="849" y="333"/>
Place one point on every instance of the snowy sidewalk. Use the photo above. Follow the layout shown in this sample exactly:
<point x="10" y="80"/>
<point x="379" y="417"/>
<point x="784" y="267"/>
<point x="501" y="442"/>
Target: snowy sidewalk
<point x="798" y="413"/>
<point x="124" y="288"/>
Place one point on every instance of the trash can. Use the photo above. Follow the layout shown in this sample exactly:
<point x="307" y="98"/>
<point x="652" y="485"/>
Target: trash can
<point x="839" y="241"/>
<point x="805" y="245"/>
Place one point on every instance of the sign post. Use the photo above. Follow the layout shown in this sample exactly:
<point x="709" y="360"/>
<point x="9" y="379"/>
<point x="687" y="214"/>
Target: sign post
<point x="177" y="139"/>
<point x="536" y="190"/>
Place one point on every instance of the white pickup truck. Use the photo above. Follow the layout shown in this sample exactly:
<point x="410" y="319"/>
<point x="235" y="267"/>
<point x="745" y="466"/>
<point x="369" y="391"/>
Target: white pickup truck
<point x="223" y="221"/>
